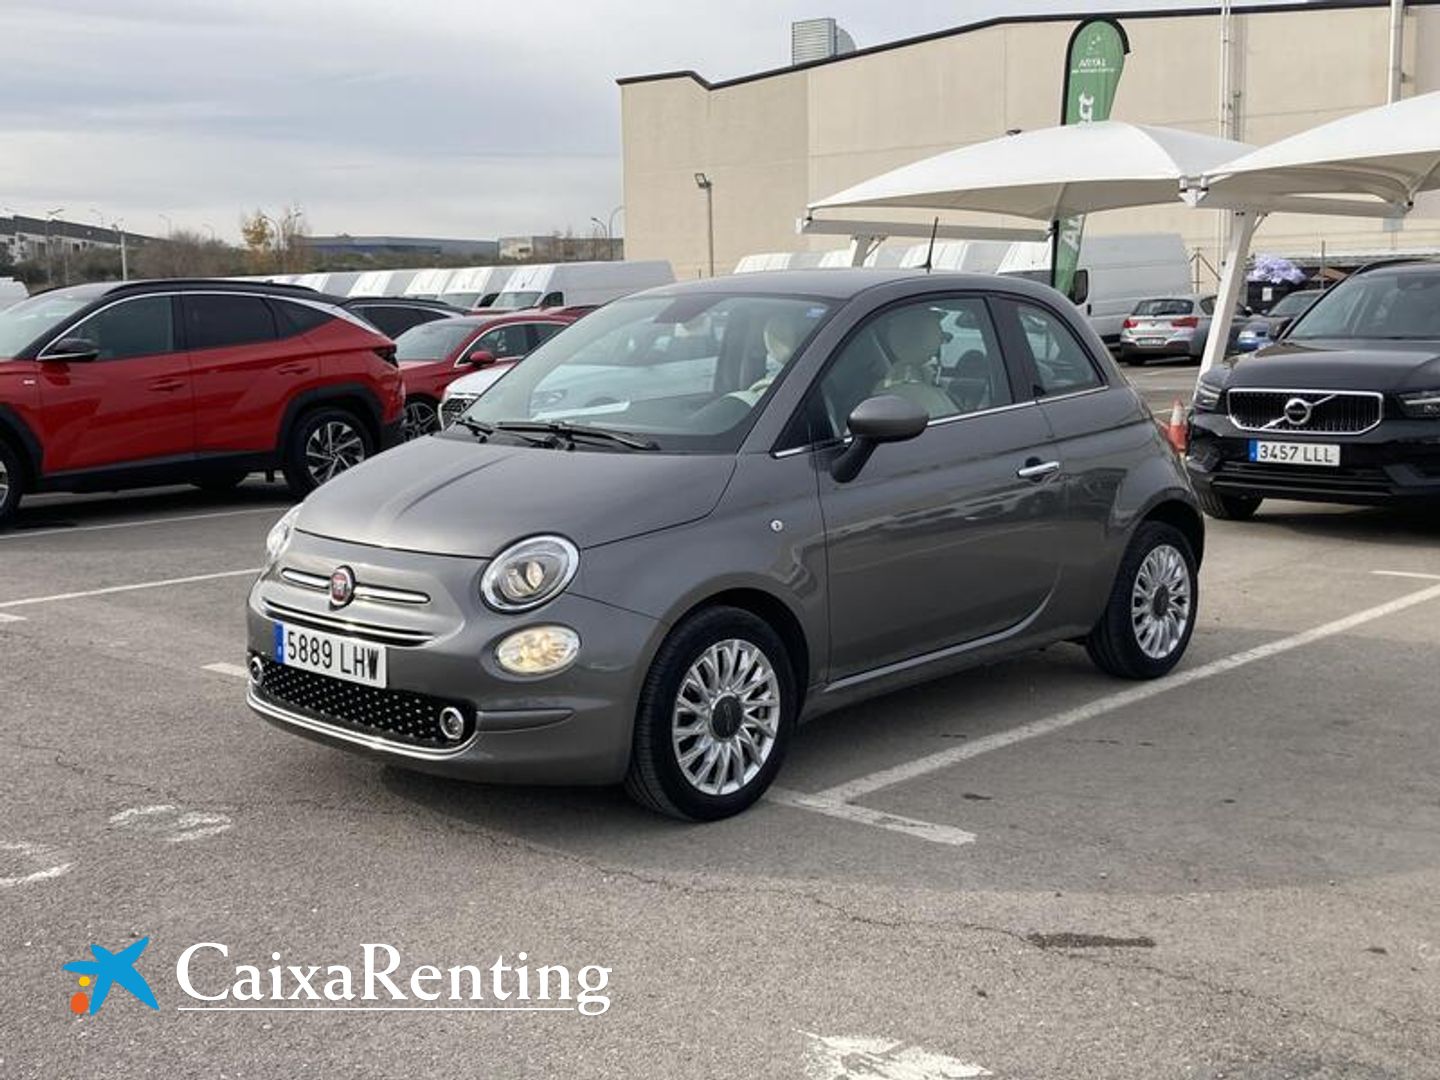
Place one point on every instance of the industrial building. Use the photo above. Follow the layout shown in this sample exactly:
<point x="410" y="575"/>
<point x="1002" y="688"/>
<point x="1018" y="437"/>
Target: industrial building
<point x="731" y="165"/>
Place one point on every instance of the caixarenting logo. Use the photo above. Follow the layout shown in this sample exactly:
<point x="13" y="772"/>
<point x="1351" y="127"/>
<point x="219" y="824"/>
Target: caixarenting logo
<point x="380" y="982"/>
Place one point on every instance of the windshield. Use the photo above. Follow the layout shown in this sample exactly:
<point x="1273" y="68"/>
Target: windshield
<point x="433" y="340"/>
<point x="1399" y="305"/>
<point x="686" y="372"/>
<point x="23" y="323"/>
<point x="1294" y="303"/>
<point x="518" y="299"/>
<point x="460" y="299"/>
<point x="1164" y="307"/>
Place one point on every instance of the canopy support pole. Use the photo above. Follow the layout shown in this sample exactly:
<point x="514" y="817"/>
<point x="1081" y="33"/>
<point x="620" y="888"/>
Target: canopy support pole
<point x="1232" y="281"/>
<point x="861" y="245"/>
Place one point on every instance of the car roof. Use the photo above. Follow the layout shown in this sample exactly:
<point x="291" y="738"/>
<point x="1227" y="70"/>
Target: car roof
<point x="843" y="284"/>
<point x="110" y="289"/>
<point x="403" y="301"/>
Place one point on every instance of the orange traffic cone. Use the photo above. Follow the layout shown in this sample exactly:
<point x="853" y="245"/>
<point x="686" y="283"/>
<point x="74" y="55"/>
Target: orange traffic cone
<point x="1177" y="432"/>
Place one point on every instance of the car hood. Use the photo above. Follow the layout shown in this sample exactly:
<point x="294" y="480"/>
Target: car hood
<point x="452" y="496"/>
<point x="1327" y="365"/>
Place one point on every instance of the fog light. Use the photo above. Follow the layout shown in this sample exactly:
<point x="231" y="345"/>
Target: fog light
<point x="257" y="670"/>
<point x="452" y="723"/>
<point x="539" y="650"/>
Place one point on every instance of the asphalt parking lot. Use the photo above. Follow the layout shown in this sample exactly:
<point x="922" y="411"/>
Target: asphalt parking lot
<point x="1029" y="869"/>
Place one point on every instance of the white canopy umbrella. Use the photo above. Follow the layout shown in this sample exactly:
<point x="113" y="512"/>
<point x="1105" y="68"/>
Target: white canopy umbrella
<point x="1371" y="163"/>
<point x="1376" y="161"/>
<point x="1049" y="173"/>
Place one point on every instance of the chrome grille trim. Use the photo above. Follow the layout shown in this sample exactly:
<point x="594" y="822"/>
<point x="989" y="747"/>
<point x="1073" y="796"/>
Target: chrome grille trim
<point x="454" y="405"/>
<point x="384" y="635"/>
<point x="1333" y="412"/>
<point x="376" y="593"/>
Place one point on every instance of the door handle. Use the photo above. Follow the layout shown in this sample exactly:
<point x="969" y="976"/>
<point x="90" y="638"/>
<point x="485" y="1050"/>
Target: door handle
<point x="168" y="384"/>
<point x="1035" y="469"/>
<point x="293" y="369"/>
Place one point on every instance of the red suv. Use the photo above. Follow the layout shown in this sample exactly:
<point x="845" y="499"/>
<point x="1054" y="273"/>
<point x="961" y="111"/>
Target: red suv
<point x="113" y="386"/>
<point x="435" y="354"/>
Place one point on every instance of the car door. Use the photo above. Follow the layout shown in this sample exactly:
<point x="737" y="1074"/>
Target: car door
<point x="246" y="369"/>
<point x="133" y="403"/>
<point x="947" y="538"/>
<point x="508" y="342"/>
<point x="1093" y="420"/>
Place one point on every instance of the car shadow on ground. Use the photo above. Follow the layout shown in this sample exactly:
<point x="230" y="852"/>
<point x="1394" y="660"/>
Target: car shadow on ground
<point x="74" y="511"/>
<point x="1396" y="526"/>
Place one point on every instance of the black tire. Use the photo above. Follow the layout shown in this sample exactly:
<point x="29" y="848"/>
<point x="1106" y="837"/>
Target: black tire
<point x="1227" y="507"/>
<point x="219" y="483"/>
<point x="1115" y="643"/>
<point x="304" y="475"/>
<point x="421" y="417"/>
<point x="12" y="483"/>
<point x="656" y="778"/>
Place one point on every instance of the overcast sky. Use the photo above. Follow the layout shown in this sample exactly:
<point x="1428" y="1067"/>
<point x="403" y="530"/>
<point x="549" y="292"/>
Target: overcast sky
<point x="414" y="117"/>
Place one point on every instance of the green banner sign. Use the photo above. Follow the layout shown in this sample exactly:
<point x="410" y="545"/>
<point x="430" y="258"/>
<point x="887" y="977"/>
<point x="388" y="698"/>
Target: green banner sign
<point x="1093" y="65"/>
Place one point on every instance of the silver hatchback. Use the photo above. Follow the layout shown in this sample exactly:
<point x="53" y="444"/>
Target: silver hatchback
<point x="883" y="477"/>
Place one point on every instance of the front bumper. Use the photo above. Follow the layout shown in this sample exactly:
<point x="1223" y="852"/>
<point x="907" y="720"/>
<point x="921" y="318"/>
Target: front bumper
<point x="574" y="727"/>
<point x="1397" y="461"/>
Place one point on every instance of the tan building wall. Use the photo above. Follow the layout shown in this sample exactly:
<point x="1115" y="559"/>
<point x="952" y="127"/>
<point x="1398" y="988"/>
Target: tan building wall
<point x="771" y="144"/>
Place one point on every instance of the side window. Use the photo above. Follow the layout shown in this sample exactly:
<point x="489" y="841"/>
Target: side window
<point x="144" y="326"/>
<point x="1207" y="306"/>
<point x="942" y="354"/>
<point x="1062" y="365"/>
<point x="553" y="299"/>
<point x="545" y="331"/>
<point x="505" y="341"/>
<point x="394" y="321"/>
<point x="298" y="318"/>
<point x="215" y="321"/>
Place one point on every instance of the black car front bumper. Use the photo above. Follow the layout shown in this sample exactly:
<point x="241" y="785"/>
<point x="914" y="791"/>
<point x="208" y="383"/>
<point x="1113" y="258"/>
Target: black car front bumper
<point x="1398" y="461"/>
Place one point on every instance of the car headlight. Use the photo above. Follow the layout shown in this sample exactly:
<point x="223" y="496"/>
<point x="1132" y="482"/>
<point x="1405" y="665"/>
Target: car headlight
<point x="529" y="573"/>
<point x="538" y="650"/>
<point x="279" y="536"/>
<point x="1207" y="396"/>
<point x="1421" y="404"/>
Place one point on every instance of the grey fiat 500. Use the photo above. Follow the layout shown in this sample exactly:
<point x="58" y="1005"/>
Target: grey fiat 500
<point x="792" y="492"/>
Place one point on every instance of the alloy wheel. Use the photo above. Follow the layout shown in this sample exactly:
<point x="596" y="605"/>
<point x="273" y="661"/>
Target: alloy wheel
<point x="421" y="418"/>
<point x="726" y="717"/>
<point x="1160" y="602"/>
<point x="333" y="447"/>
<point x="4" y="482"/>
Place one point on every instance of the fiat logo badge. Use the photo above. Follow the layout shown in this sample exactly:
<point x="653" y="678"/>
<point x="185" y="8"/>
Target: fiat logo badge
<point x="342" y="586"/>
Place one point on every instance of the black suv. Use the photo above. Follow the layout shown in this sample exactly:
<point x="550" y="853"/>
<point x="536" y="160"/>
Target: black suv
<point x="1344" y="408"/>
<point x="393" y="315"/>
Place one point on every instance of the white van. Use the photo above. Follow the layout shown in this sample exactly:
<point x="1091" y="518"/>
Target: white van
<point x="1115" y="274"/>
<point x="382" y="282"/>
<point x="428" y="284"/>
<point x="580" y="284"/>
<point x="476" y="286"/>
<point x="11" y="292"/>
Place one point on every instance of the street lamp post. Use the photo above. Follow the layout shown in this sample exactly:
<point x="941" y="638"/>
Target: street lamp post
<point x="50" y="216"/>
<point x="169" y="225"/>
<point x="119" y="226"/>
<point x="604" y="232"/>
<point x="705" y="184"/>
<point x="610" y="226"/>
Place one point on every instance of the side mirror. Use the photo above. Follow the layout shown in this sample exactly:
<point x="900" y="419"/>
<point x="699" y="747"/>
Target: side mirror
<point x="884" y="419"/>
<point x="72" y="350"/>
<point x="480" y="358"/>
<point x="1080" y="287"/>
<point x="1281" y="325"/>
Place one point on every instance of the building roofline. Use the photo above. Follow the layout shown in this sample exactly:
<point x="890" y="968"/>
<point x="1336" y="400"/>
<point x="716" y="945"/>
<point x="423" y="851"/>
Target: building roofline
<point x="1012" y="20"/>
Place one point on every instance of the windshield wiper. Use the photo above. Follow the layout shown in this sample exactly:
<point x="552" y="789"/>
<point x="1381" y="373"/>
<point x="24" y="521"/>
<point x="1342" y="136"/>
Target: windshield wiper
<point x="571" y="432"/>
<point x="485" y="431"/>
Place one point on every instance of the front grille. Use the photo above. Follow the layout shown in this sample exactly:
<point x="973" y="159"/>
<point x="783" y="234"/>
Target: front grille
<point x="1302" y="479"/>
<point x="453" y="406"/>
<point x="338" y="623"/>
<point x="1327" y="412"/>
<point x="399" y="716"/>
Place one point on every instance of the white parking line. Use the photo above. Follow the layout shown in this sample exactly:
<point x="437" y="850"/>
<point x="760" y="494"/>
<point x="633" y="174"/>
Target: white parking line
<point x="11" y="618"/>
<point x="1406" y="574"/>
<point x="25" y="534"/>
<point x="233" y="670"/>
<point x="899" y="774"/>
<point x="863" y="815"/>
<point x="112" y="589"/>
